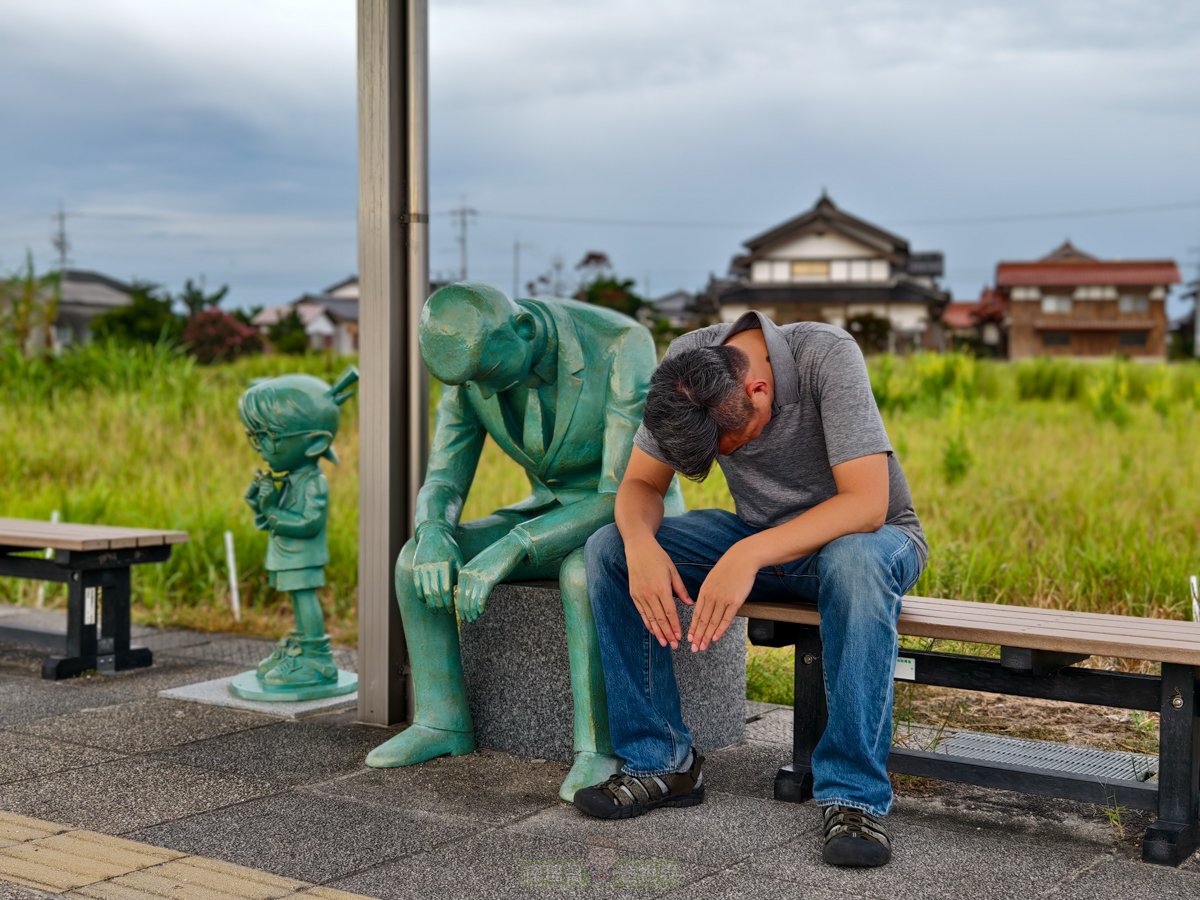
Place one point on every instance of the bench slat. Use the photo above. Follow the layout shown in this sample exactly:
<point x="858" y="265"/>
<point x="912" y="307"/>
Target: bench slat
<point x="1065" y="631"/>
<point x="36" y="534"/>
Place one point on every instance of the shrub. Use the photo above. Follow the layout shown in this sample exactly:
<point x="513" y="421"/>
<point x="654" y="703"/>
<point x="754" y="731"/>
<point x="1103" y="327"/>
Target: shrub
<point x="216" y="336"/>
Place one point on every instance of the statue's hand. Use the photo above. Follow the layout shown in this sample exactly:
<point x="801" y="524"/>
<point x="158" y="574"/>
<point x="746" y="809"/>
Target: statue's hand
<point x="435" y="568"/>
<point x="484" y="572"/>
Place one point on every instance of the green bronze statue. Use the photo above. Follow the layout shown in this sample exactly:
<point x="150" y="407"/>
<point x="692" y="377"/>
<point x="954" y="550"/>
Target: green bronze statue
<point x="291" y="422"/>
<point x="559" y="385"/>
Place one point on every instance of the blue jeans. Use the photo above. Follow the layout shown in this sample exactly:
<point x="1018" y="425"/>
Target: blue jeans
<point x="857" y="582"/>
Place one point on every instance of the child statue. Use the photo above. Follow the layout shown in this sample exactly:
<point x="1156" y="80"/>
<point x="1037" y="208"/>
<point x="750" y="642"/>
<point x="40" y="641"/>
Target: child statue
<point x="291" y="422"/>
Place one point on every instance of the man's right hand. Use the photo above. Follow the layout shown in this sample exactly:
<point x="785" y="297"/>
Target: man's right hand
<point x="654" y="583"/>
<point x="435" y="568"/>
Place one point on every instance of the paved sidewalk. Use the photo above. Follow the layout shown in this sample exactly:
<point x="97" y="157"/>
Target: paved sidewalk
<point x="106" y="756"/>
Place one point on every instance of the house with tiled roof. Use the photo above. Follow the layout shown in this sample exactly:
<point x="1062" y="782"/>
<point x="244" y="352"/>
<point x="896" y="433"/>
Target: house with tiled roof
<point x="1070" y="303"/>
<point x="330" y="318"/>
<point x="828" y="265"/>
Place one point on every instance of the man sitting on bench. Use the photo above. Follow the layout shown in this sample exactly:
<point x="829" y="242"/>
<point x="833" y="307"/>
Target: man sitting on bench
<point x="824" y="514"/>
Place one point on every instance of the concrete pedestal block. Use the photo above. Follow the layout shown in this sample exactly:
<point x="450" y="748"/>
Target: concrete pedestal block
<point x="515" y="661"/>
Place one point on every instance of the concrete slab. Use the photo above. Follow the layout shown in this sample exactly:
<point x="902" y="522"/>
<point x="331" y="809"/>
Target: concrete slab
<point x="748" y="768"/>
<point x="772" y="727"/>
<point x="735" y="885"/>
<point x="125" y="794"/>
<point x="25" y="756"/>
<point x="28" y="699"/>
<point x="74" y="859"/>
<point x="486" y="786"/>
<point x="508" y="865"/>
<point x="928" y="862"/>
<point x="305" y="836"/>
<point x="216" y="693"/>
<point x="722" y="831"/>
<point x="291" y="753"/>
<point x="10" y="891"/>
<point x="195" y="877"/>
<point x="248" y="652"/>
<point x="141" y="725"/>
<point x="167" y="672"/>
<point x="1114" y="879"/>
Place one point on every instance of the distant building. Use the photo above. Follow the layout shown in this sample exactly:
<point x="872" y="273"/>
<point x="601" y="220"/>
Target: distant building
<point x="1069" y="303"/>
<point x="977" y="325"/>
<point x="827" y="265"/>
<point x="678" y="308"/>
<point x="330" y="318"/>
<point x="86" y="295"/>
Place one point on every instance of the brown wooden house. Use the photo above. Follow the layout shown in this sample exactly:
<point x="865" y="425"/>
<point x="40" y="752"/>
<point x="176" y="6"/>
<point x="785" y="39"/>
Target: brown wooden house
<point x="1069" y="303"/>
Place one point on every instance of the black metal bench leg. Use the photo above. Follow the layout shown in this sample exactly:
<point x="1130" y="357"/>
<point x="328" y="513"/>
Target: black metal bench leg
<point x="1175" y="834"/>
<point x="97" y="626"/>
<point x="794" y="783"/>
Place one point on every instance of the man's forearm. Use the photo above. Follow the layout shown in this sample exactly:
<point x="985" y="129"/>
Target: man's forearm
<point x="639" y="510"/>
<point x="840" y="515"/>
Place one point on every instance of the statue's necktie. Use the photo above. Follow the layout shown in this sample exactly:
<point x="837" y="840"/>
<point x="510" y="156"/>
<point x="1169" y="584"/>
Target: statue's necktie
<point x="534" y="437"/>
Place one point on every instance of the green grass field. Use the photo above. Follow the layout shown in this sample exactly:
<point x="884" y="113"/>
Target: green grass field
<point x="1073" y="485"/>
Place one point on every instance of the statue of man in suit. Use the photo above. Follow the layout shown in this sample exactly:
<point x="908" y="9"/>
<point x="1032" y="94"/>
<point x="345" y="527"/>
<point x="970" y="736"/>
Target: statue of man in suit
<point x="559" y="385"/>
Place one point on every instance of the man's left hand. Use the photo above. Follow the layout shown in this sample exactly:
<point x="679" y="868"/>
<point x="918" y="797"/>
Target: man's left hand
<point x="724" y="591"/>
<point x="478" y="577"/>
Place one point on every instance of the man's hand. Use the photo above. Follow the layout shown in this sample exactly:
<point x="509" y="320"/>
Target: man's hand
<point x="654" y="583"/>
<point x="477" y="579"/>
<point x="435" y="568"/>
<point x="725" y="589"/>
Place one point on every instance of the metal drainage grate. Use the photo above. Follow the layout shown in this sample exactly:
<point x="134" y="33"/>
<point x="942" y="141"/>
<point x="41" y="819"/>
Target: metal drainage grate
<point x="1103" y="765"/>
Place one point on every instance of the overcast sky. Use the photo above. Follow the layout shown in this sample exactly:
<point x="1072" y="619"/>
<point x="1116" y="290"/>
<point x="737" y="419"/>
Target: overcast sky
<point x="217" y="138"/>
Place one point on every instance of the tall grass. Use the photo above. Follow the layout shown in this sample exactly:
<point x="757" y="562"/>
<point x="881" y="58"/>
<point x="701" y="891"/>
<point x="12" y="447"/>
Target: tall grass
<point x="1052" y="483"/>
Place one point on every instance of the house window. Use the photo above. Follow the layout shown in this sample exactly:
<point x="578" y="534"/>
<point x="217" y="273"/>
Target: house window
<point x="1053" y="303"/>
<point x="1056" y="339"/>
<point x="1132" y="339"/>
<point x="1133" y="303"/>
<point x="810" y="268"/>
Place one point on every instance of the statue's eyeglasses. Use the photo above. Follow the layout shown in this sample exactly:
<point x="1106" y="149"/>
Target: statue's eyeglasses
<point x="267" y="440"/>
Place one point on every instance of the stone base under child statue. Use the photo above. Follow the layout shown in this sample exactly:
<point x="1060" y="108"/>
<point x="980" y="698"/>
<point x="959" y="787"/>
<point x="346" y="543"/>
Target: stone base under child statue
<point x="298" y="669"/>
<point x="248" y="686"/>
<point x="519" y="682"/>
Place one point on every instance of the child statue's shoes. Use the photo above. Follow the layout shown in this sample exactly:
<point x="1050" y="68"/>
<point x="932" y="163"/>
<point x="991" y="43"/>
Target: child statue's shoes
<point x="282" y="647"/>
<point x="307" y="662"/>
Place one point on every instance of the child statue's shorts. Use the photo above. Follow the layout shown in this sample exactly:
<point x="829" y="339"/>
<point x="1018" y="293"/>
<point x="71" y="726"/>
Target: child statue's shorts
<point x="297" y="579"/>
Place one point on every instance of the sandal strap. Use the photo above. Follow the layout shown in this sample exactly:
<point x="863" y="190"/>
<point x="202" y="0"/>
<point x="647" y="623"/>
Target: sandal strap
<point x="849" y="822"/>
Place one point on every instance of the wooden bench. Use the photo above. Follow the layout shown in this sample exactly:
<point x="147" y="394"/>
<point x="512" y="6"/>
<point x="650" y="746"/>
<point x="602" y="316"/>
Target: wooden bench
<point x="94" y="562"/>
<point x="1038" y="650"/>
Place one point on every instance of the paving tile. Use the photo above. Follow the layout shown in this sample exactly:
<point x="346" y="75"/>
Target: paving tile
<point x="11" y="891"/>
<point x="926" y="863"/>
<point x="736" y="884"/>
<point x="311" y="837"/>
<point x="128" y="793"/>
<point x="485" y="786"/>
<point x="74" y="859"/>
<point x="28" y="699"/>
<point x="328" y="893"/>
<point x="724" y="829"/>
<point x="291" y="753"/>
<point x="504" y="865"/>
<point x="747" y="768"/>
<point x="774" y="727"/>
<point x="137" y="726"/>
<point x="1116" y="879"/>
<point x="26" y="756"/>
<point x="756" y="708"/>
<point x="167" y="672"/>
<point x="248" y="652"/>
<point x="196" y="877"/>
<point x="15" y="829"/>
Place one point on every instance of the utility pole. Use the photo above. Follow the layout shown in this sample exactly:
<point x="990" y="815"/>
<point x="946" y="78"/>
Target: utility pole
<point x="462" y="216"/>
<point x="517" y="245"/>
<point x="59" y="239"/>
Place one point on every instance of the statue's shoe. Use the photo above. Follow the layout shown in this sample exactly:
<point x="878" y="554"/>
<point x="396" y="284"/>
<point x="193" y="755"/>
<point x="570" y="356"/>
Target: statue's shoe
<point x="418" y="743"/>
<point x="588" y="769"/>
<point x="277" y="656"/>
<point x="298" y="669"/>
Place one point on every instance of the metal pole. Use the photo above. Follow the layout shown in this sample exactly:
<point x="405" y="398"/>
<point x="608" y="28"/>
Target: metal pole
<point x="393" y="222"/>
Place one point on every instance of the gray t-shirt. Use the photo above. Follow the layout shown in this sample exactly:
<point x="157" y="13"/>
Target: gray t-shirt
<point x="824" y="414"/>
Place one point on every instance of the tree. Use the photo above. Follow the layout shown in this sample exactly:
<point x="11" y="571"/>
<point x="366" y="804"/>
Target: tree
<point x="216" y="336"/>
<point x="196" y="301"/>
<point x="147" y="319"/>
<point x="288" y="335"/>
<point x="29" y="308"/>
<point x="600" y="285"/>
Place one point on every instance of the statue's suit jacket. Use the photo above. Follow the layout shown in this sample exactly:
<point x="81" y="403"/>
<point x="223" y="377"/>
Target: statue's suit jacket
<point x="605" y="360"/>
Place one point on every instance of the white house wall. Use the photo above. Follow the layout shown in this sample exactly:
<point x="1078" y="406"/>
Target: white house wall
<point x="829" y="245"/>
